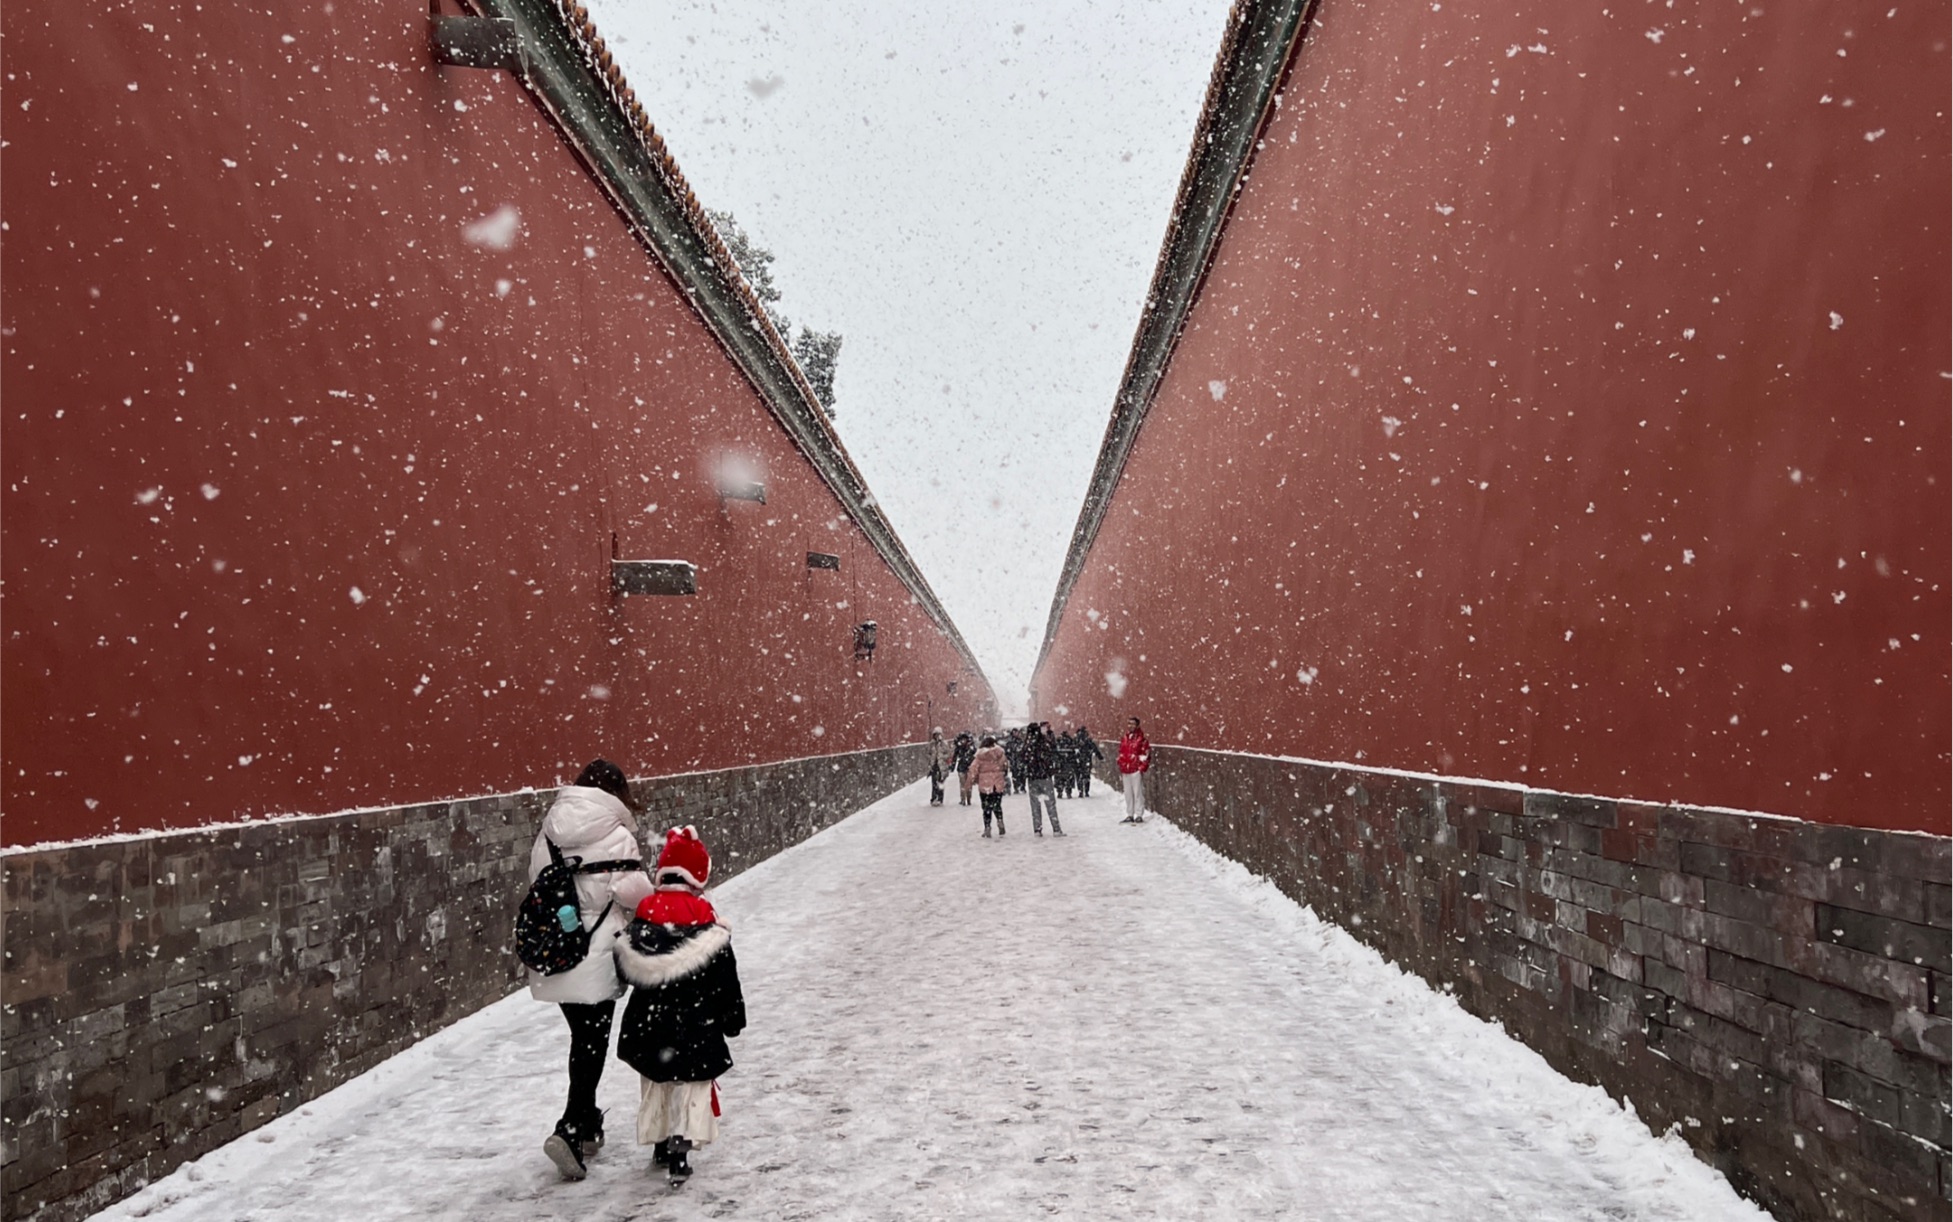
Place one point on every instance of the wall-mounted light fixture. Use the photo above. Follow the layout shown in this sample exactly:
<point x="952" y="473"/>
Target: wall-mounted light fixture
<point x="952" y="687"/>
<point x="734" y="489"/>
<point x="821" y="560"/>
<point x="653" y="577"/>
<point x="864" y="641"/>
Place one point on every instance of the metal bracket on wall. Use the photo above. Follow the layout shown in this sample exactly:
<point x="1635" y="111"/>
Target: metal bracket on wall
<point x="477" y="42"/>
<point x="653" y="577"/>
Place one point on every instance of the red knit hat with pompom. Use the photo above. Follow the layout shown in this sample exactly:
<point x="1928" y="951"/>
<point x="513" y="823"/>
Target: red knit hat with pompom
<point x="684" y="855"/>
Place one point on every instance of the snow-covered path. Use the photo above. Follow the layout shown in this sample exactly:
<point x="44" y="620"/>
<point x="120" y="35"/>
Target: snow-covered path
<point x="1114" y="1024"/>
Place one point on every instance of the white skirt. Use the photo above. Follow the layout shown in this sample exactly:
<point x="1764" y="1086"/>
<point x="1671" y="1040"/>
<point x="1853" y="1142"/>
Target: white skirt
<point x="675" y="1109"/>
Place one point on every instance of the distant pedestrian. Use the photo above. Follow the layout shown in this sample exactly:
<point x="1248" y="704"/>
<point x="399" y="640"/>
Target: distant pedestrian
<point x="1065" y="776"/>
<point x="685" y="1003"/>
<point x="1135" y="757"/>
<point x="1040" y="762"/>
<point x="990" y="773"/>
<point x="1014" y="753"/>
<point x="966" y="750"/>
<point x="941" y="754"/>
<point x="590" y="824"/>
<point x="1085" y="749"/>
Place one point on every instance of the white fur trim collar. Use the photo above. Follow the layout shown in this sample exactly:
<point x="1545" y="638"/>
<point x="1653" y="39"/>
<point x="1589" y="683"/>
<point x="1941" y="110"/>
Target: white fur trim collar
<point x="691" y="955"/>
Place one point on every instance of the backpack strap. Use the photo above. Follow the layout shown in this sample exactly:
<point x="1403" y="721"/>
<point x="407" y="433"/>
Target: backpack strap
<point x="573" y="864"/>
<point x="622" y="865"/>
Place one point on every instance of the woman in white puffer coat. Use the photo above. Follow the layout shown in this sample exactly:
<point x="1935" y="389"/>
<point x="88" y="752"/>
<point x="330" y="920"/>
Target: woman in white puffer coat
<point x="590" y="820"/>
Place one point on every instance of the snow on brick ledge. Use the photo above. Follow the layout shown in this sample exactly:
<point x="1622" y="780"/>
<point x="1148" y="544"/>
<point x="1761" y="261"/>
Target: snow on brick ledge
<point x="1775" y="990"/>
<point x="164" y="994"/>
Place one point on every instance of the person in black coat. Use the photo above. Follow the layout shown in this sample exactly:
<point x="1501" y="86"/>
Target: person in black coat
<point x="966" y="749"/>
<point x="1040" y="762"/>
<point x="1065" y="774"/>
<point x="685" y="1003"/>
<point x="1085" y="749"/>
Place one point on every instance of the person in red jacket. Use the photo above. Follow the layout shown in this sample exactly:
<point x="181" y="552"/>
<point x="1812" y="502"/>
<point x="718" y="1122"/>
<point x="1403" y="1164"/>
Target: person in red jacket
<point x="1135" y="757"/>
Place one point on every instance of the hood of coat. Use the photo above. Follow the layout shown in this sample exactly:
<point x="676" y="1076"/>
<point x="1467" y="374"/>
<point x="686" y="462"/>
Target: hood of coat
<point x="676" y="905"/>
<point x="650" y="954"/>
<point x="581" y="817"/>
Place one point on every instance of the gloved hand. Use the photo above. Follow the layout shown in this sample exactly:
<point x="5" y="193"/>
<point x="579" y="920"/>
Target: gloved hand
<point x="568" y="918"/>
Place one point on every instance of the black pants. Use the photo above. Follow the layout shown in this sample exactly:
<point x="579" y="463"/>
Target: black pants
<point x="993" y="805"/>
<point x="1085" y="781"/>
<point x="589" y="1049"/>
<point x="935" y="787"/>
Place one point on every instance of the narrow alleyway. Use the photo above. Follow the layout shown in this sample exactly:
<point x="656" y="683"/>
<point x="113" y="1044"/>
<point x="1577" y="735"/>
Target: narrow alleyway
<point x="1114" y="1024"/>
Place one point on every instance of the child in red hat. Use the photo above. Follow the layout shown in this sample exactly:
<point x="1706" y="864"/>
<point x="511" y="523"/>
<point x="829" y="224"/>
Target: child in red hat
<point x="685" y="1002"/>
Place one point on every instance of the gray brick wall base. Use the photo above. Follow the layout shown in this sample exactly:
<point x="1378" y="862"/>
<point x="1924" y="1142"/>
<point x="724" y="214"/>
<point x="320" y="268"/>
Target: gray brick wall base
<point x="1775" y="990"/>
<point x="164" y="994"/>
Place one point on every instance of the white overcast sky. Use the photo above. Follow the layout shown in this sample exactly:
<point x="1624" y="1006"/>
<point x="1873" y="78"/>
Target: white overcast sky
<point x="974" y="195"/>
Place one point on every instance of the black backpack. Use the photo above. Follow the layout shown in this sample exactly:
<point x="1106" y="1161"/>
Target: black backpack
<point x="541" y="942"/>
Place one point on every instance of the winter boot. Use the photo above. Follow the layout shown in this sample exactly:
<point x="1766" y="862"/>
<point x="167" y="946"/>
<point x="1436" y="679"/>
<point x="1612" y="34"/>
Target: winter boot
<point x="986" y="831"/>
<point x="565" y="1151"/>
<point x="593" y="1136"/>
<point x="676" y="1165"/>
<point x="661" y="1154"/>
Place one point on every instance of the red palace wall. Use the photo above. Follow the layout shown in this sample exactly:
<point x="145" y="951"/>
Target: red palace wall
<point x="1566" y="404"/>
<point x="253" y="365"/>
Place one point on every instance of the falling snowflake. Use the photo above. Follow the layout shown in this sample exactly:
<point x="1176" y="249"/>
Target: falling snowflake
<point x="496" y="231"/>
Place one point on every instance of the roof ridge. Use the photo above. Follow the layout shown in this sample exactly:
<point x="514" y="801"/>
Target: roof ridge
<point x="1259" y="43"/>
<point x="661" y="207"/>
<point x="596" y="52"/>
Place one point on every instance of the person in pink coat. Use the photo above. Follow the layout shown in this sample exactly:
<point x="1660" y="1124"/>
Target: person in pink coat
<point x="990" y="776"/>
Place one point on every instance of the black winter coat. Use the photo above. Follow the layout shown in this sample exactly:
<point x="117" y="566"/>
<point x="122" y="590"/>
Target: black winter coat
<point x="685" y="1001"/>
<point x="1067" y="752"/>
<point x="1040" y="758"/>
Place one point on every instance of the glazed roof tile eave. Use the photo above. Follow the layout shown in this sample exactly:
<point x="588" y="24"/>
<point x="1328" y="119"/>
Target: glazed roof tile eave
<point x="597" y="57"/>
<point x="1241" y="96"/>
<point x="773" y="371"/>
